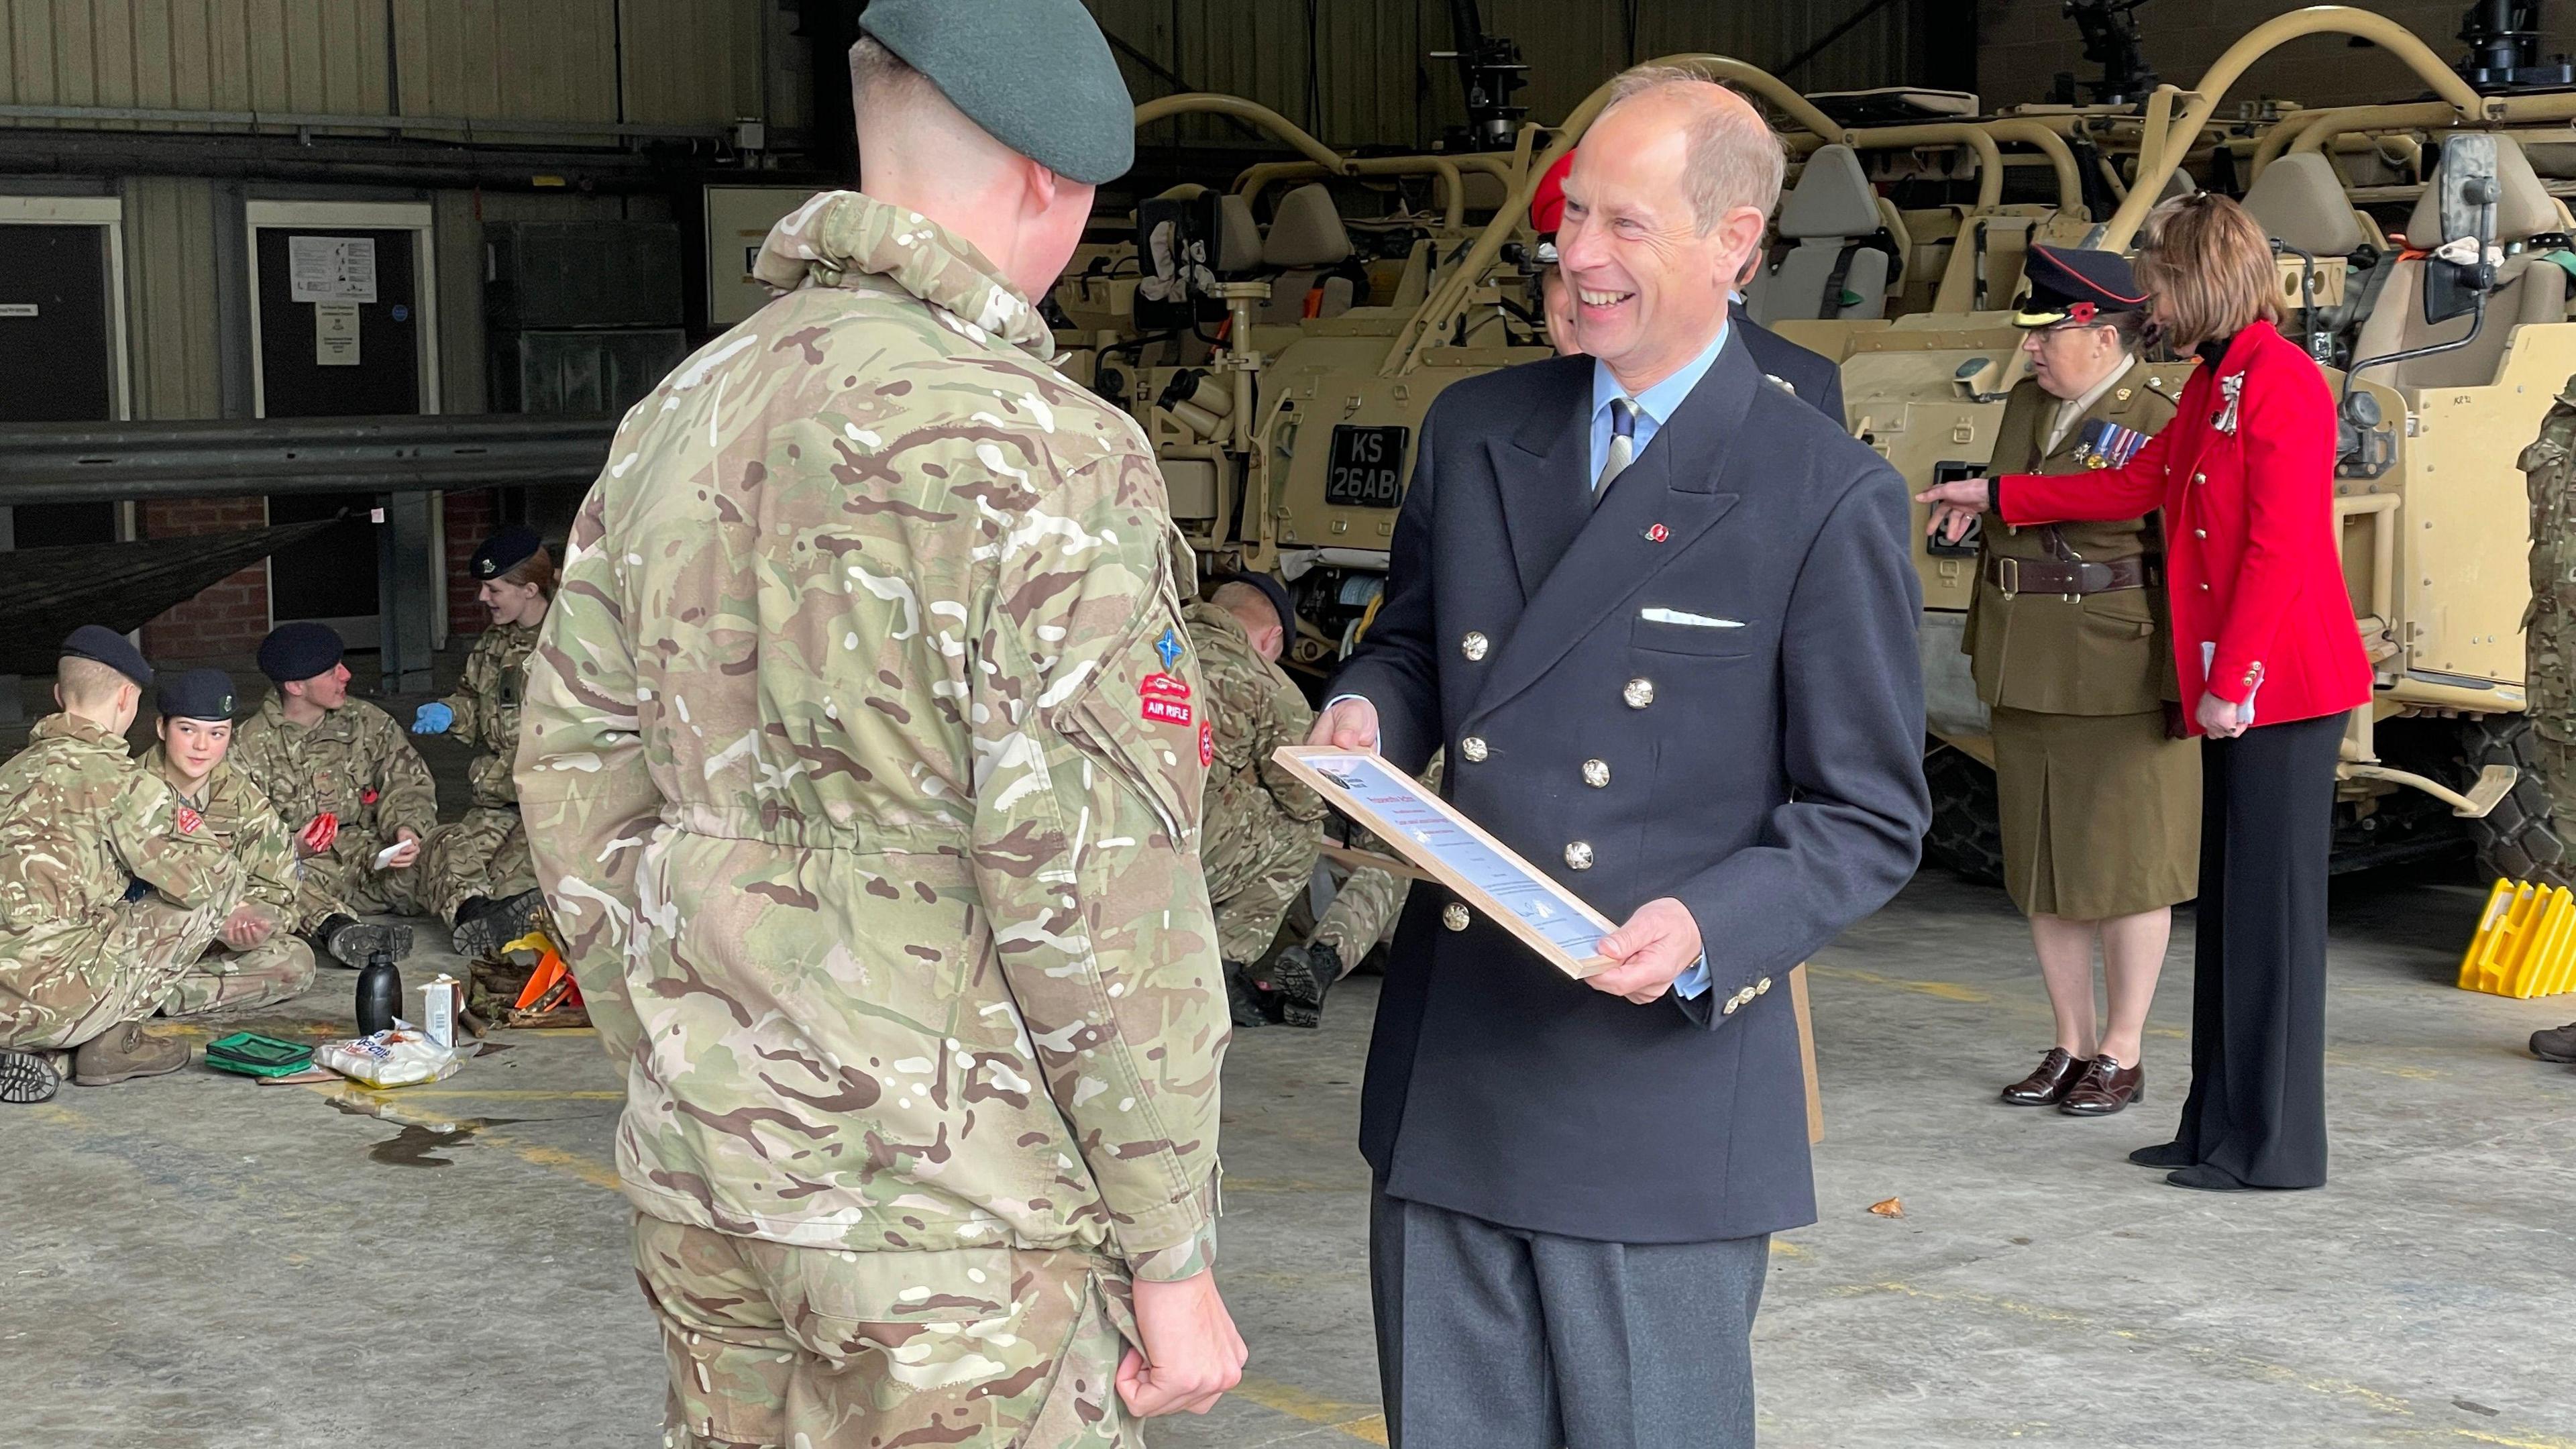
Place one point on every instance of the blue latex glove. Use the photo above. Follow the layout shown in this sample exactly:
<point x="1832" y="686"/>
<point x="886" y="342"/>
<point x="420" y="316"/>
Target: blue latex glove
<point x="433" y="719"/>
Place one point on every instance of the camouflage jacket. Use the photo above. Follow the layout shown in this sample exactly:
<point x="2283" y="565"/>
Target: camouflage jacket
<point x="80" y="821"/>
<point x="1255" y="709"/>
<point x="486" y="703"/>
<point x="863" y="779"/>
<point x="241" y="817"/>
<point x="354" y="762"/>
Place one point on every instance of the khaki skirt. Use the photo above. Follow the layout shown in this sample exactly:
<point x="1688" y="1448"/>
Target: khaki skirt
<point x="2101" y="813"/>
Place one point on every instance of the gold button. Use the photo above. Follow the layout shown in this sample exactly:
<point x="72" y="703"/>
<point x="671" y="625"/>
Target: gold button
<point x="1729" y="1008"/>
<point x="1639" y="693"/>
<point x="1596" y="773"/>
<point x="1578" y="855"/>
<point x="2123" y="394"/>
<point x="1474" y="646"/>
<point x="1473" y="748"/>
<point x="1744" y="997"/>
<point x="2200" y="533"/>
<point x="1762" y="986"/>
<point x="1454" y="916"/>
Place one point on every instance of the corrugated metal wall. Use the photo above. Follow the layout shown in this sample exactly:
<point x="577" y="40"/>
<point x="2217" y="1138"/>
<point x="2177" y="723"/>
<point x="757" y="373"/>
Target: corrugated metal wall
<point x="686" y="61"/>
<point x="1359" y="71"/>
<point x="170" y="291"/>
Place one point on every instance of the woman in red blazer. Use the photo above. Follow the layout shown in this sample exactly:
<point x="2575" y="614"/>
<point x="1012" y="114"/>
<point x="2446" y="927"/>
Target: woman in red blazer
<point x="2266" y="649"/>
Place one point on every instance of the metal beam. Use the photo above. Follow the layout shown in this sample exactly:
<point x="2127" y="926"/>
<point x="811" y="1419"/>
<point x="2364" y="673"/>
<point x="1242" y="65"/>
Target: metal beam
<point x="78" y="462"/>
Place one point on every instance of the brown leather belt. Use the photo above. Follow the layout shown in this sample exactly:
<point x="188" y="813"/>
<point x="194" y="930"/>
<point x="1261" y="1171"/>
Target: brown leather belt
<point x="2047" y="576"/>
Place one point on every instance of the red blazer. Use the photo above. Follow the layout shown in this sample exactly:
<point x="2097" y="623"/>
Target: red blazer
<point x="2253" y="556"/>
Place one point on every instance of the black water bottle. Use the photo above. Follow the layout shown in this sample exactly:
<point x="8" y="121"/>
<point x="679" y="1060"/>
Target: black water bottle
<point x="379" y="994"/>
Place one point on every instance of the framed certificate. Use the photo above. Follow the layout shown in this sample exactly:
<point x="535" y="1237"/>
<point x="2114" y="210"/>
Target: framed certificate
<point x="1456" y="853"/>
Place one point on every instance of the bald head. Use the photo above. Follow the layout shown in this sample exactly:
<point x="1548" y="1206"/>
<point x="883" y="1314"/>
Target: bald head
<point x="917" y="150"/>
<point x="1664" y="207"/>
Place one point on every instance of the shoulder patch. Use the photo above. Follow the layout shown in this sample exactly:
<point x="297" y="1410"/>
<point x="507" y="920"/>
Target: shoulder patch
<point x="187" y="819"/>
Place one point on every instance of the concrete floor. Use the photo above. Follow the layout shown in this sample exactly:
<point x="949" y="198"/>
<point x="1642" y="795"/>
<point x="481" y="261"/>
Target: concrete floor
<point x="194" y="1260"/>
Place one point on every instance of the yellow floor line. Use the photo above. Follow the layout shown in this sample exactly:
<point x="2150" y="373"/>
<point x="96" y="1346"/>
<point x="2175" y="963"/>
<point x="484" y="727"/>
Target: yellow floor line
<point x="1357" y="1420"/>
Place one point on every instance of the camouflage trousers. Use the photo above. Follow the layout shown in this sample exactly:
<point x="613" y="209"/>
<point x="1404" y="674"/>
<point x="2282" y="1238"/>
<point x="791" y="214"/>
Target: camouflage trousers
<point x="85" y="985"/>
<point x="485" y="854"/>
<point x="1256" y="860"/>
<point x="1364" y="911"/>
<point x="975" y="1348"/>
<point x="275" y="970"/>
<point x="342" y="884"/>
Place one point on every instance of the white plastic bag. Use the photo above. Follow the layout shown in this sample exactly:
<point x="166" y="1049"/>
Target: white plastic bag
<point x="399" y="1058"/>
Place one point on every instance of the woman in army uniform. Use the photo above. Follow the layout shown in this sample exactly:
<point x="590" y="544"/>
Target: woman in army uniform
<point x="479" y="875"/>
<point x="2069" y="643"/>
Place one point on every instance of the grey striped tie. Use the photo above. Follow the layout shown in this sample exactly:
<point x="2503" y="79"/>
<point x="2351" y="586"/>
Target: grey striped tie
<point x="1623" y="445"/>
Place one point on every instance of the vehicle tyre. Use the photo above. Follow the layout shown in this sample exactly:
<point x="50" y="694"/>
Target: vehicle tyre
<point x="1967" y="834"/>
<point x="2520" y="839"/>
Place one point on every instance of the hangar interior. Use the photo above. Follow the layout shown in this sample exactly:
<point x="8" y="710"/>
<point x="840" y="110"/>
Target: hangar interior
<point x="302" y="300"/>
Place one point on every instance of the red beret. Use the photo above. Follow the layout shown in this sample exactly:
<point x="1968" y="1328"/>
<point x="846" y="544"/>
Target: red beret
<point x="1547" y="204"/>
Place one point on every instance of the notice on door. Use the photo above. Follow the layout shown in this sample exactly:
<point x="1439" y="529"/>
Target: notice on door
<point x="335" y="334"/>
<point x="331" y="268"/>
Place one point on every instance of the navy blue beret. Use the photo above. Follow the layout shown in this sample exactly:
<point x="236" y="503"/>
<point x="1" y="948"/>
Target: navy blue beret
<point x="299" y="651"/>
<point x="198" y="694"/>
<point x="1036" y="74"/>
<point x="505" y="551"/>
<point x="2071" y="284"/>
<point x="103" y="645"/>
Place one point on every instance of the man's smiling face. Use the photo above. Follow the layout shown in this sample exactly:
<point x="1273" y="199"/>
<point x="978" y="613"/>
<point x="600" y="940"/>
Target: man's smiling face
<point x="1649" y="286"/>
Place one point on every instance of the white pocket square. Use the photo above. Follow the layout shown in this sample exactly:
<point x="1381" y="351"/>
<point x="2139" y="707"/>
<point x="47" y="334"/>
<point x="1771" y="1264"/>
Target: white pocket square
<point x="1694" y="621"/>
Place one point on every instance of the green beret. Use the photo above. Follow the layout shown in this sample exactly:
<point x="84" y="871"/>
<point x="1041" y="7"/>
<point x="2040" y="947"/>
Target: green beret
<point x="1034" y="73"/>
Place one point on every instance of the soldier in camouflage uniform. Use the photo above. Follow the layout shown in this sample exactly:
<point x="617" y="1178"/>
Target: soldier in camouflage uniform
<point x="1361" y="918"/>
<point x="348" y="785"/>
<point x="255" y="958"/>
<point x="109" y="886"/>
<point x="875" y="859"/>
<point x="481" y="881"/>
<point x="2549" y="469"/>
<point x="1263" y="827"/>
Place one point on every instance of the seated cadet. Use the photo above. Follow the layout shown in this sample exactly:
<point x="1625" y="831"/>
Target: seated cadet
<point x="1262" y="827"/>
<point x="348" y="785"/>
<point x="255" y="958"/>
<point x="109" y="885"/>
<point x="480" y="879"/>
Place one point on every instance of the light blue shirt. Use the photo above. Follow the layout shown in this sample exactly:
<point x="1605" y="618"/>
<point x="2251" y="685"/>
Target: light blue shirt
<point x="1654" y="406"/>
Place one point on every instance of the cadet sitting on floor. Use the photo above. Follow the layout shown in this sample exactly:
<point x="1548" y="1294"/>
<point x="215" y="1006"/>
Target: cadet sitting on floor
<point x="1361" y="918"/>
<point x="348" y="785"/>
<point x="480" y="880"/>
<point x="1263" y="828"/>
<point x="109" y="885"/>
<point x="255" y="958"/>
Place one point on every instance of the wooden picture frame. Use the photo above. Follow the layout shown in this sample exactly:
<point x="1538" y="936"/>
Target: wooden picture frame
<point x="1456" y="853"/>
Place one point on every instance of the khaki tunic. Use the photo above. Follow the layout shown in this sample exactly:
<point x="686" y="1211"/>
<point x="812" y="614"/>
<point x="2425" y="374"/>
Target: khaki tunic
<point x="2100" y="807"/>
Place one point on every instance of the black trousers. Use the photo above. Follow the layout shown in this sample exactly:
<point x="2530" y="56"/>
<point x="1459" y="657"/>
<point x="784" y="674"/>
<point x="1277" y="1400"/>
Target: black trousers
<point x="2258" y="993"/>
<point x="1491" y="1337"/>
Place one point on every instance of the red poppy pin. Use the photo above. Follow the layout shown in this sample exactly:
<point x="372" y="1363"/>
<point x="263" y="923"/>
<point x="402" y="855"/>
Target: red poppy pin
<point x="1657" y="533"/>
<point x="367" y="796"/>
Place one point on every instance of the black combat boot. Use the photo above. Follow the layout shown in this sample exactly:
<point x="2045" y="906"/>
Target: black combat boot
<point x="2558" y="1044"/>
<point x="27" y="1077"/>
<point x="1242" y="999"/>
<point x="1302" y="975"/>
<point x="484" y="926"/>
<point x="353" y="942"/>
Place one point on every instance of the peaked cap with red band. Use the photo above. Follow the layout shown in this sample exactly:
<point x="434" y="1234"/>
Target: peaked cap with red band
<point x="2071" y="285"/>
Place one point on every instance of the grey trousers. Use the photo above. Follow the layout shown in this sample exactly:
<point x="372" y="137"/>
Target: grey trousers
<point x="1490" y="1337"/>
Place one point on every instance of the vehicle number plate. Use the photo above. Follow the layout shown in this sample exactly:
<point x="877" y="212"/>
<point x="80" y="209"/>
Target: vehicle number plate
<point x="1367" y="468"/>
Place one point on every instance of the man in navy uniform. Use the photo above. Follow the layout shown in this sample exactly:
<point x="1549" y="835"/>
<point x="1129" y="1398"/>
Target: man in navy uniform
<point x="1661" y="616"/>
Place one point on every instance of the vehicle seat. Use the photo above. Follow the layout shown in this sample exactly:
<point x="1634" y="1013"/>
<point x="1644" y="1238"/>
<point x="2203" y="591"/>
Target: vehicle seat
<point x="1309" y="247"/>
<point x="1238" y="238"/>
<point x="2527" y="289"/>
<point x="1842" y="248"/>
<point x="2299" y="201"/>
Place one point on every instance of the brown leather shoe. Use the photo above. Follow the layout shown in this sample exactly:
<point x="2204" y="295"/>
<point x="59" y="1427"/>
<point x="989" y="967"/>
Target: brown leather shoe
<point x="2047" y="1085"/>
<point x="2106" y="1087"/>
<point x="123" y="1053"/>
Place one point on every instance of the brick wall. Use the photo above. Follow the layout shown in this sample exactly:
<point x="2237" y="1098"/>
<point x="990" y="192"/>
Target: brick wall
<point x="225" y="621"/>
<point x="2023" y="44"/>
<point x="471" y="518"/>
